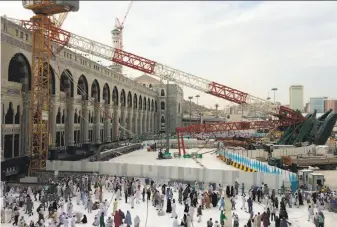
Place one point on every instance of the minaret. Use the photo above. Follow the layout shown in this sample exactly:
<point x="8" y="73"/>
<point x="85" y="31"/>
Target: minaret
<point x="115" y="34"/>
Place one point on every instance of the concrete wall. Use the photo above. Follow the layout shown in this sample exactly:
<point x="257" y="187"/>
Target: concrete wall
<point x="169" y="172"/>
<point x="293" y="151"/>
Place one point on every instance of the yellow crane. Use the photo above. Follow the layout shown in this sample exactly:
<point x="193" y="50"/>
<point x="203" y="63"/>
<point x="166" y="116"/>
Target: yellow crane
<point x="45" y="29"/>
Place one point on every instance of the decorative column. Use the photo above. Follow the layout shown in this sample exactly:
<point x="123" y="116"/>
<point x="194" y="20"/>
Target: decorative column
<point x="110" y="125"/>
<point x="107" y="136"/>
<point x="130" y="123"/>
<point x="24" y="125"/>
<point x="144" y="122"/>
<point x="134" y="121"/>
<point x="52" y="123"/>
<point x="140" y="122"/>
<point x="122" y="123"/>
<point x="97" y="122"/>
<point x="70" y="134"/>
<point x="153" y="128"/>
<point x="148" y="122"/>
<point x="115" y="123"/>
<point x="85" y="122"/>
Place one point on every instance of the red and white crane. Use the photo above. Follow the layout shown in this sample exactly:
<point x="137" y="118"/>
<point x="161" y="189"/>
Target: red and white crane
<point x="285" y="115"/>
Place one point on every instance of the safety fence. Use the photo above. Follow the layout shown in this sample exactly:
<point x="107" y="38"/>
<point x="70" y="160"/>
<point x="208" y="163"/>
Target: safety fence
<point x="252" y="165"/>
<point x="169" y="172"/>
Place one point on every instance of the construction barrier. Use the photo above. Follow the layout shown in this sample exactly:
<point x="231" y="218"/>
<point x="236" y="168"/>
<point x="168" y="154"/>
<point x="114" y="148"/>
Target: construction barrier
<point x="239" y="166"/>
<point x="158" y="173"/>
<point x="251" y="165"/>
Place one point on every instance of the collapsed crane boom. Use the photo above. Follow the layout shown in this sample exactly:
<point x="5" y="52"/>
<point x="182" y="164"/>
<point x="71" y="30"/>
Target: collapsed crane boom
<point x="233" y="126"/>
<point x="174" y="75"/>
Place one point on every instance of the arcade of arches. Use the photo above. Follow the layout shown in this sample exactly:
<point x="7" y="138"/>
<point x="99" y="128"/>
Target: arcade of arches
<point x="74" y="120"/>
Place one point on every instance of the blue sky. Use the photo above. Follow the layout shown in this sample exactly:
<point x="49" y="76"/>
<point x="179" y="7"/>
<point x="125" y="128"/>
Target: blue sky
<point x="251" y="46"/>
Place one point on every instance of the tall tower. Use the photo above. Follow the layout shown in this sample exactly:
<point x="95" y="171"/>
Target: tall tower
<point x="115" y="34"/>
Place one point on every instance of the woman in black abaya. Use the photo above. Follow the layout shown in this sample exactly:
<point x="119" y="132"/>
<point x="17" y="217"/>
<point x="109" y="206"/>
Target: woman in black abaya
<point x="228" y="191"/>
<point x="232" y="191"/>
<point x="168" y="206"/>
<point x="214" y="199"/>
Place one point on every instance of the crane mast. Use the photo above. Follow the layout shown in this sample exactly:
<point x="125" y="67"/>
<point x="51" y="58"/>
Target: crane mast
<point x="43" y="32"/>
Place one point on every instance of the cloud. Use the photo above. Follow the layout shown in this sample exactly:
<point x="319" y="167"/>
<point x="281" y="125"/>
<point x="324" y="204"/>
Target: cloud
<point x="251" y="46"/>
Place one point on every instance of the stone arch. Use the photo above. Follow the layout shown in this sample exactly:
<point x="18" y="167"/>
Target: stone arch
<point x="115" y="96"/>
<point x="82" y="87"/>
<point x="9" y="117"/>
<point x="162" y="92"/>
<point x="135" y="101"/>
<point x="19" y="71"/>
<point x="162" y="105"/>
<point x="144" y="103"/>
<point x="66" y="83"/>
<point x="95" y="91"/>
<point x="129" y="102"/>
<point x="123" y="100"/>
<point x="152" y="105"/>
<point x="140" y="103"/>
<point x="162" y="120"/>
<point x="155" y="106"/>
<point x="106" y="94"/>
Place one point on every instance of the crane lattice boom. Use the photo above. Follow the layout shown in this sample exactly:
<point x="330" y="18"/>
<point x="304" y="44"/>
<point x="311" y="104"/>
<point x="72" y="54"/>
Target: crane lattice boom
<point x="233" y="126"/>
<point x="174" y="75"/>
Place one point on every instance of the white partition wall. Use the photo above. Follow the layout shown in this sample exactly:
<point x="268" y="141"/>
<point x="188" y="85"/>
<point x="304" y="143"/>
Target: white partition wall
<point x="226" y="177"/>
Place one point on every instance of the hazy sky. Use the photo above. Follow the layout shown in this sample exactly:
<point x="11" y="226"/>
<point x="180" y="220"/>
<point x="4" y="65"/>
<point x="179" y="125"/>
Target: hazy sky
<point x="250" y="46"/>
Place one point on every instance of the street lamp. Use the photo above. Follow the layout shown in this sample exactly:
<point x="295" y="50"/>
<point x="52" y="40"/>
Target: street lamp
<point x="198" y="112"/>
<point x="274" y="90"/>
<point x="190" y="98"/>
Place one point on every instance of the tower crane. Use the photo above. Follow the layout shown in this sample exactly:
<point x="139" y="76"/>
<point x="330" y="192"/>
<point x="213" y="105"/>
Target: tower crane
<point x="286" y="115"/>
<point x="120" y="26"/>
<point x="44" y="32"/>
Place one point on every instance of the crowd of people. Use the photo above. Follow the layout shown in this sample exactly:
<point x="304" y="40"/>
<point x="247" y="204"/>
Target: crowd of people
<point x="53" y="204"/>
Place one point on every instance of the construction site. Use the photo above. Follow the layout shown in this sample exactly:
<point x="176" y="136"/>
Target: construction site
<point x="53" y="110"/>
<point x="63" y="112"/>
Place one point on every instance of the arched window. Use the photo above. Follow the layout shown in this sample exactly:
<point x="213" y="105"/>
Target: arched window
<point x="162" y="105"/>
<point x="162" y="92"/>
